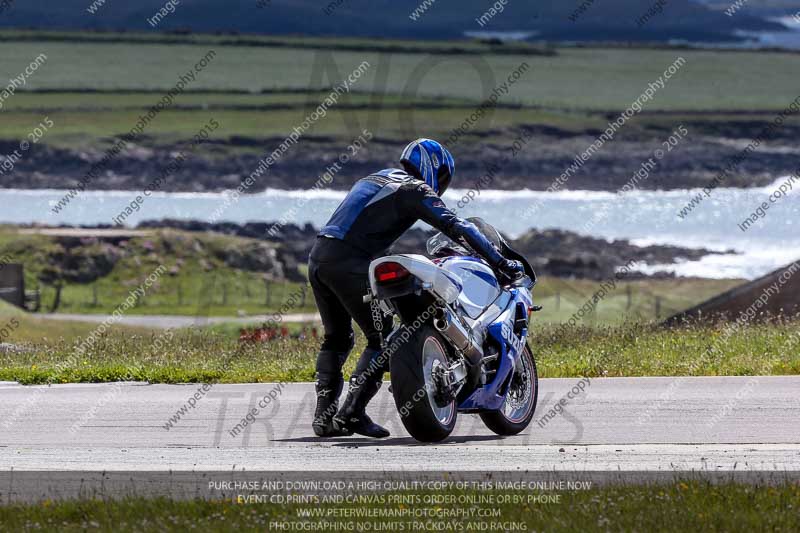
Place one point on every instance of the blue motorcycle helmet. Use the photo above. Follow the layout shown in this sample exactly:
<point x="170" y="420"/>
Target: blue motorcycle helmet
<point x="429" y="161"/>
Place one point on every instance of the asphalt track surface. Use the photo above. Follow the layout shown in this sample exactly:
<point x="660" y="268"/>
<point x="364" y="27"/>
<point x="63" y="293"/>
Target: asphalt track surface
<point x="650" y="424"/>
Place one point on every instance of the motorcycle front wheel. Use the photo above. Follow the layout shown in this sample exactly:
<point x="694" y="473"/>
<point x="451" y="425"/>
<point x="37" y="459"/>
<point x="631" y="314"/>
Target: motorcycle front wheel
<point x="414" y="368"/>
<point x="520" y="403"/>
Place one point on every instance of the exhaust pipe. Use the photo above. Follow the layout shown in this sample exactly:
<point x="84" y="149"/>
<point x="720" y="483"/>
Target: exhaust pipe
<point x="452" y="329"/>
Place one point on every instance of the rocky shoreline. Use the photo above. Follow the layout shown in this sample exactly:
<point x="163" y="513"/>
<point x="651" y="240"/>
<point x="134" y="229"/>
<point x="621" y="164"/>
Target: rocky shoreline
<point x="549" y="151"/>
<point x="551" y="252"/>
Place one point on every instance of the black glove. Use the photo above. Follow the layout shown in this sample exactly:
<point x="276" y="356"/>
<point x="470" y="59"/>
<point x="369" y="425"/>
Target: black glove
<point x="513" y="270"/>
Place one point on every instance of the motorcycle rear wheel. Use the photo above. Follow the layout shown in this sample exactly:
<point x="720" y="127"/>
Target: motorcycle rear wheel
<point x="520" y="403"/>
<point x="413" y="366"/>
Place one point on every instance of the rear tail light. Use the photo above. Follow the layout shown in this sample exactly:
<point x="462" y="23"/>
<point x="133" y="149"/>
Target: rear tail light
<point x="388" y="272"/>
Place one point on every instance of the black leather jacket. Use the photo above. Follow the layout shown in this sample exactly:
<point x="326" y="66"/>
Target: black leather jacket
<point x="382" y="206"/>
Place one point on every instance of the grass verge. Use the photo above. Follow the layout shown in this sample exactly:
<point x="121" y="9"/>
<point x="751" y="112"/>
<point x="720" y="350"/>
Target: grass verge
<point x="682" y="506"/>
<point x="183" y="356"/>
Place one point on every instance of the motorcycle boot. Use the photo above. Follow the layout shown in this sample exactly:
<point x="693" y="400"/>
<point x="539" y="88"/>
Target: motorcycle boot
<point x="330" y="383"/>
<point x="364" y="385"/>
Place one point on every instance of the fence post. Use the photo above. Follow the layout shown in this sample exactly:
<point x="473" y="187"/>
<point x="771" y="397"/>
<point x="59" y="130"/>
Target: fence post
<point x="558" y="300"/>
<point x="57" y="298"/>
<point x="266" y="284"/>
<point x="138" y="297"/>
<point x="658" y="307"/>
<point x="629" y="293"/>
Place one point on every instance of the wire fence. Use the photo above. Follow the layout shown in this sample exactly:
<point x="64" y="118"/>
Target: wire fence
<point x="234" y="293"/>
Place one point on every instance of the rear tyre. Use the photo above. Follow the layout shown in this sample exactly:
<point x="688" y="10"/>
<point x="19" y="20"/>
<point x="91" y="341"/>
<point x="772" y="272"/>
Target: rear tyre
<point x="520" y="403"/>
<point x="413" y="367"/>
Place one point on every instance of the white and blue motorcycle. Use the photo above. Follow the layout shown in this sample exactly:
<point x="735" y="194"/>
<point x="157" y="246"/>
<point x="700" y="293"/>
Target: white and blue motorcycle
<point x="461" y="344"/>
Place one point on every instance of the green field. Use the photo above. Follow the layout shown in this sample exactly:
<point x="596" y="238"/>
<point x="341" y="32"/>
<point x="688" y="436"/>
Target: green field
<point x="632" y="301"/>
<point x="226" y="291"/>
<point x="682" y="506"/>
<point x="264" y="88"/>
<point x="94" y="127"/>
<point x="710" y="80"/>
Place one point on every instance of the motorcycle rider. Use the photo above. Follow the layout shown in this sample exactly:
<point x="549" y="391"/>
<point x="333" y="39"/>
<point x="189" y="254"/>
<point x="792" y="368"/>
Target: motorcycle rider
<point x="375" y="213"/>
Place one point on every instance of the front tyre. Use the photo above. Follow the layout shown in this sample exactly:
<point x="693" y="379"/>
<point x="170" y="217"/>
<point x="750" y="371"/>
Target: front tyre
<point x="520" y="403"/>
<point x="414" y="368"/>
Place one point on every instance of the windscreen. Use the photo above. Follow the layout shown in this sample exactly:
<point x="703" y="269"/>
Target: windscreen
<point x="441" y="243"/>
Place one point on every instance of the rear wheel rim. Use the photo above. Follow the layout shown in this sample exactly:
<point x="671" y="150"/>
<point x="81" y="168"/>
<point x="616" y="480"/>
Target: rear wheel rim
<point x="519" y="398"/>
<point x="433" y="354"/>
